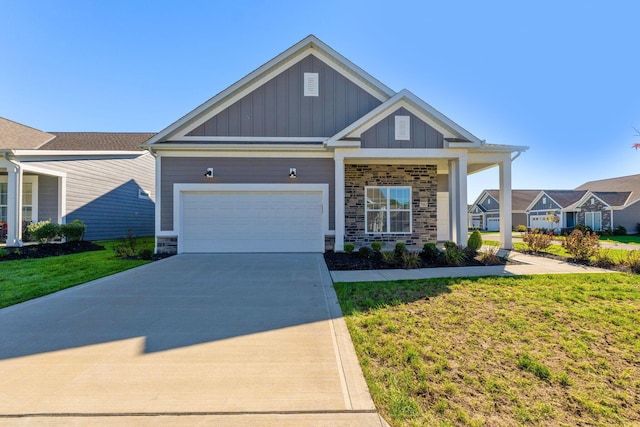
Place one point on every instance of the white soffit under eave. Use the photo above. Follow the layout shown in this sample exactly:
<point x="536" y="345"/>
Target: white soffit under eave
<point x="405" y="99"/>
<point x="310" y="45"/>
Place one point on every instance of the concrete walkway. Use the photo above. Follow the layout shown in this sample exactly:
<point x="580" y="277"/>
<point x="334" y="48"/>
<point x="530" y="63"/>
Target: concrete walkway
<point x="530" y="265"/>
<point x="225" y="340"/>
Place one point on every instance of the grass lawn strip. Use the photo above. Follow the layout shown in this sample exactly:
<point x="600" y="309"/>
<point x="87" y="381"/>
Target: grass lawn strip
<point x="550" y="350"/>
<point x="23" y="280"/>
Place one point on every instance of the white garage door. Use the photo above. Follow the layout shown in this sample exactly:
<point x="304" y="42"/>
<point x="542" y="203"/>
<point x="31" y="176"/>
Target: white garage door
<point x="538" y="221"/>
<point x="493" y="224"/>
<point x="251" y="221"/>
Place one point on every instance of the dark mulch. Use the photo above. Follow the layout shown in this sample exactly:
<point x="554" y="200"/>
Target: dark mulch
<point x="48" y="250"/>
<point x="337" y="261"/>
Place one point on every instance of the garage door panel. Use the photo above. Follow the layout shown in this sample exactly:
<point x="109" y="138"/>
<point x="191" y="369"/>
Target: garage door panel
<point x="281" y="221"/>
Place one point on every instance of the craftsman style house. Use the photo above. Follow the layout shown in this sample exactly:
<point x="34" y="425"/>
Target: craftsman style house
<point x="308" y="152"/>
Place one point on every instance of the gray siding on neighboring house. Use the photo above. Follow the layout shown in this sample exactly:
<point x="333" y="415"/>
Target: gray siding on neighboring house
<point x="490" y="204"/>
<point x="518" y="219"/>
<point x="279" y="108"/>
<point x="550" y="205"/>
<point x="47" y="198"/>
<point x="628" y="218"/>
<point x="104" y="194"/>
<point x="382" y="135"/>
<point x="241" y="171"/>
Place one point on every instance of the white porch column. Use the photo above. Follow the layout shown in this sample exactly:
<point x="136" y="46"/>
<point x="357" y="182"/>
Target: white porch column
<point x="462" y="201"/>
<point x="453" y="200"/>
<point x="339" y="201"/>
<point x="14" y="205"/>
<point x="505" y="204"/>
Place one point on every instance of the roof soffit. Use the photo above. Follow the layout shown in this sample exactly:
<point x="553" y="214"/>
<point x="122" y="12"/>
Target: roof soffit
<point x="308" y="46"/>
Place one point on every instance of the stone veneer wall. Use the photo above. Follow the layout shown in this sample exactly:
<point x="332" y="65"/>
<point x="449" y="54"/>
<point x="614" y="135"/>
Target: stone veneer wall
<point x="597" y="206"/>
<point x="424" y="185"/>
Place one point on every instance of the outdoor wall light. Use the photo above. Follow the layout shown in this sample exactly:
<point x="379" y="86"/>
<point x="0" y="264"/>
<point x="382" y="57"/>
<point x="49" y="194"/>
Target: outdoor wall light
<point x="293" y="173"/>
<point x="209" y="173"/>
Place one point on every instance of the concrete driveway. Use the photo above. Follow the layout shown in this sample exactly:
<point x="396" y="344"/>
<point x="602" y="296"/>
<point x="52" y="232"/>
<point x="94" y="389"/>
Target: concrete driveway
<point x="194" y="339"/>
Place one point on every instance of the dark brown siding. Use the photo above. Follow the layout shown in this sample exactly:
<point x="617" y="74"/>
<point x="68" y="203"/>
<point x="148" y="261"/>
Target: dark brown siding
<point x="241" y="171"/>
<point x="382" y="135"/>
<point x="279" y="107"/>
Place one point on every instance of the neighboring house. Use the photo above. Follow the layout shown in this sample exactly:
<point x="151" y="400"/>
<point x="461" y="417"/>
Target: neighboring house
<point x="610" y="203"/>
<point x="484" y="213"/>
<point x="554" y="209"/>
<point x="103" y="179"/>
<point x="308" y="152"/>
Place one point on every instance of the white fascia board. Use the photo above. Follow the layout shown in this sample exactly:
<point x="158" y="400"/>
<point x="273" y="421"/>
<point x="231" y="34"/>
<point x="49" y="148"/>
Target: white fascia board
<point x="535" y="200"/>
<point x="27" y="167"/>
<point x="246" y="153"/>
<point x="415" y="154"/>
<point x="586" y="197"/>
<point x="263" y="139"/>
<point x="299" y="51"/>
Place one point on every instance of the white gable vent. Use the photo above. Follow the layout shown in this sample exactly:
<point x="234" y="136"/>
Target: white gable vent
<point x="403" y="128"/>
<point x="311" y="84"/>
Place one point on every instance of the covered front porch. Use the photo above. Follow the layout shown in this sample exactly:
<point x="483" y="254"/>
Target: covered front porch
<point x="28" y="193"/>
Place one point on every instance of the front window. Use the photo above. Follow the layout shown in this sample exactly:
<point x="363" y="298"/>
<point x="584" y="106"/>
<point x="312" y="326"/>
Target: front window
<point x="388" y="209"/>
<point x="3" y="202"/>
<point x="593" y="220"/>
<point x="27" y="201"/>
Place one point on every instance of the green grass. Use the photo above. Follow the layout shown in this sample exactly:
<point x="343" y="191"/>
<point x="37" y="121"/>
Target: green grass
<point x="22" y="280"/>
<point x="621" y="239"/>
<point x="539" y="350"/>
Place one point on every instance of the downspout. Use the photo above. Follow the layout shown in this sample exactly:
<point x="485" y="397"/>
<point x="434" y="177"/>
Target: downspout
<point x="516" y="156"/>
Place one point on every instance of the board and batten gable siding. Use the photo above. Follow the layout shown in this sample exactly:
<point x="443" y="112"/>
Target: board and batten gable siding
<point x="189" y="170"/>
<point x="550" y="205"/>
<point x="490" y="204"/>
<point x="279" y="108"/>
<point x="103" y="193"/>
<point x="382" y="134"/>
<point x="48" y="198"/>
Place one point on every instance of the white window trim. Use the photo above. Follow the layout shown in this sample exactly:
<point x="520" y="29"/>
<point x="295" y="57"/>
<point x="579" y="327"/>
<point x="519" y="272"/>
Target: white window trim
<point x="403" y="128"/>
<point x="33" y="179"/>
<point x="388" y="210"/>
<point x="591" y="223"/>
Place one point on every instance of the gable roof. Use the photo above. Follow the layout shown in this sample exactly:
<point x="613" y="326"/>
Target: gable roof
<point x="630" y="183"/>
<point x="564" y="198"/>
<point x="97" y="141"/>
<point x="520" y="199"/>
<point x="415" y="105"/>
<point x="307" y="46"/>
<point x="14" y="136"/>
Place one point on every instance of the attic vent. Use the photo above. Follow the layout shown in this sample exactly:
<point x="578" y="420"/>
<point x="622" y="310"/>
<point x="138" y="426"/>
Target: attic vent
<point x="544" y="200"/>
<point x="310" y="84"/>
<point x="402" y="128"/>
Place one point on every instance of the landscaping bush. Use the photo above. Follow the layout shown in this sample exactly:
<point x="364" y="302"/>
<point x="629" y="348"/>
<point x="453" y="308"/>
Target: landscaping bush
<point x="521" y="228"/>
<point x="44" y="231"/>
<point x="127" y="249"/>
<point x="145" y="254"/>
<point x="410" y="260"/>
<point x="365" y="252"/>
<point x="430" y="251"/>
<point x="633" y="261"/>
<point x="619" y="231"/>
<point x="583" y="228"/>
<point x="581" y="246"/>
<point x="454" y="254"/>
<point x="349" y="247"/>
<point x="536" y="241"/>
<point x="603" y="259"/>
<point x="74" y="231"/>
<point x="376" y="246"/>
<point x="489" y="256"/>
<point x="475" y="241"/>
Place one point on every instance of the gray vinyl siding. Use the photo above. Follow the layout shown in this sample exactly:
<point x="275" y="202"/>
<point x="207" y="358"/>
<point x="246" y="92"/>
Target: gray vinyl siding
<point x="382" y="135"/>
<point x="47" y="198"/>
<point x="518" y="219"/>
<point x="550" y="205"/>
<point x="490" y="204"/>
<point x="189" y="170"/>
<point x="279" y="108"/>
<point x="104" y="194"/>
<point x="628" y="218"/>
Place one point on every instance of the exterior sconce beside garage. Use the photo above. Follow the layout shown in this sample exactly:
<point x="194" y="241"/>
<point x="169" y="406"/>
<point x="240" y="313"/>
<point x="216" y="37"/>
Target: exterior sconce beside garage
<point x="293" y="173"/>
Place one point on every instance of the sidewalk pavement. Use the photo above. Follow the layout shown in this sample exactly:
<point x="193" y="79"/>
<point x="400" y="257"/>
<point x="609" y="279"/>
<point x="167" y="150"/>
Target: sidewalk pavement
<point x="528" y="265"/>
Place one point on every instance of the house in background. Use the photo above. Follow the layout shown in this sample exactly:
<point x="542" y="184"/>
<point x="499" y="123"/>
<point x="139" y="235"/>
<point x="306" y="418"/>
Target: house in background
<point x="559" y="204"/>
<point x="308" y="152"/>
<point x="103" y="179"/>
<point x="484" y="213"/>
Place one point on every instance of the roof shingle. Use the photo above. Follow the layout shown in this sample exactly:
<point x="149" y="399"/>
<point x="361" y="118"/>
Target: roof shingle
<point x="97" y="141"/>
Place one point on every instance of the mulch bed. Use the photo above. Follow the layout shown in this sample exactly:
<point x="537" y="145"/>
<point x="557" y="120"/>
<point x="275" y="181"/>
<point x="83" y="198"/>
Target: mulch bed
<point x="48" y="250"/>
<point x="340" y="261"/>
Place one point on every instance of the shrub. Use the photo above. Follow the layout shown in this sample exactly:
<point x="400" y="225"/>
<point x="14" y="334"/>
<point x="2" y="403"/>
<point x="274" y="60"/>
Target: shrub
<point x="365" y="252"/>
<point x="454" y="254"/>
<point x="490" y="256"/>
<point x="73" y="231"/>
<point x="410" y="260"/>
<point x="376" y="246"/>
<point x="619" y="231"/>
<point x="581" y="246"/>
<point x="633" y="261"/>
<point x="430" y="251"/>
<point x="3" y="252"/>
<point x="475" y="241"/>
<point x="400" y="250"/>
<point x="146" y="254"/>
<point x="128" y="246"/>
<point x="603" y="259"/>
<point x="43" y="231"/>
<point x="349" y="247"/>
<point x="583" y="228"/>
<point x="389" y="257"/>
<point x="521" y="228"/>
<point x="536" y="241"/>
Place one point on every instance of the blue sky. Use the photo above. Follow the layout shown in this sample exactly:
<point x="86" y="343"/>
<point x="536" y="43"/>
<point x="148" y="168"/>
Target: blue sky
<point x="561" y="77"/>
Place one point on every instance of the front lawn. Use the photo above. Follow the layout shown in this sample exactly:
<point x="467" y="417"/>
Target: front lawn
<point x="633" y="239"/>
<point x="22" y="280"/>
<point x="541" y="350"/>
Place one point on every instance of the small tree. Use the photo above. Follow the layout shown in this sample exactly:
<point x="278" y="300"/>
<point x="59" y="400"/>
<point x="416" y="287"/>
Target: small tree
<point x="536" y="241"/>
<point x="553" y="219"/>
<point x="582" y="246"/>
<point x="475" y="241"/>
